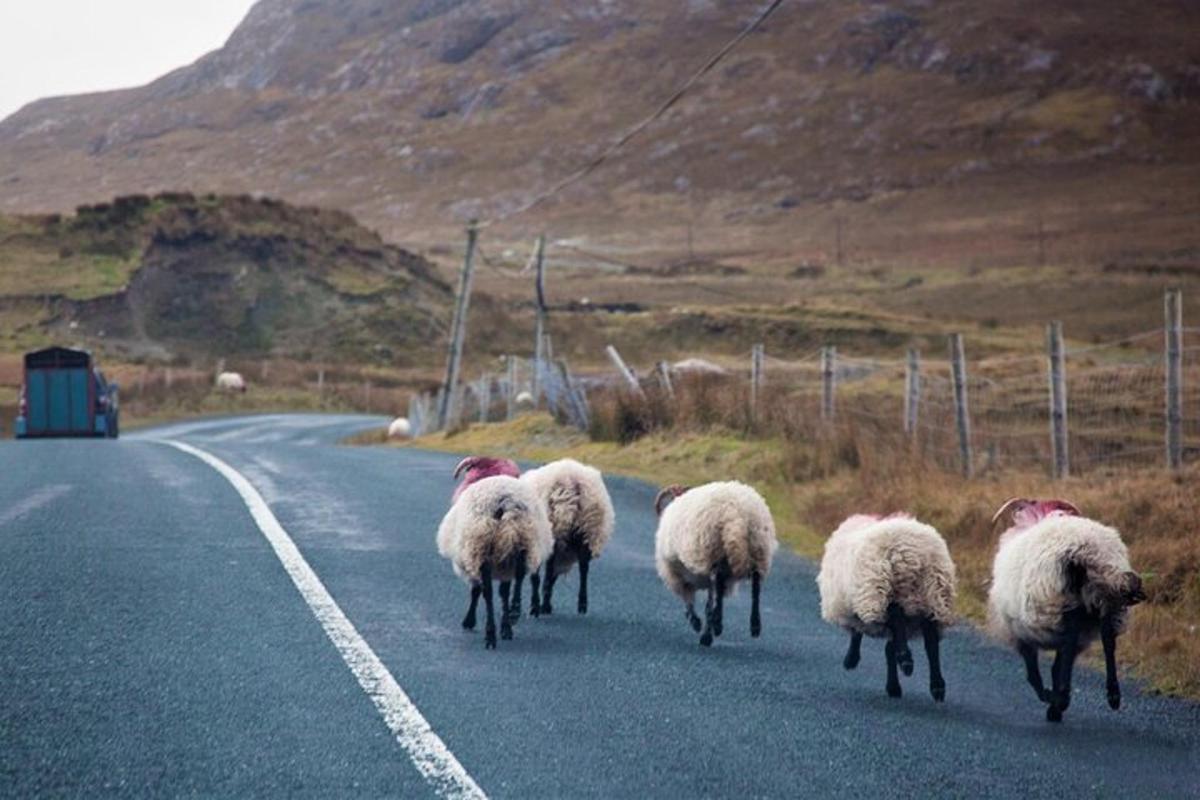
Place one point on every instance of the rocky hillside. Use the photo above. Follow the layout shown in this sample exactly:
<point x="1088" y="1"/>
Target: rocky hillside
<point x="937" y="129"/>
<point x="175" y="275"/>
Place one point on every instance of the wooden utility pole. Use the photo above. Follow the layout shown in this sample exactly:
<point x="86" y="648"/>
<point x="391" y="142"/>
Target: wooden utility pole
<point x="625" y="371"/>
<point x="828" y="382"/>
<point x="459" y="330"/>
<point x="962" y="417"/>
<point x="1173" y="308"/>
<point x="1057" y="356"/>
<point x="756" y="379"/>
<point x="912" y="391"/>
<point x="539" y="326"/>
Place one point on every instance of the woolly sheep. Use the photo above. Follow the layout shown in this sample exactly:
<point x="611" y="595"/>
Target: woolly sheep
<point x="1060" y="580"/>
<point x="495" y="529"/>
<point x="581" y="519"/>
<point x="711" y="537"/>
<point x="889" y="577"/>
<point x="231" y="382"/>
<point x="400" y="429"/>
<point x="524" y="401"/>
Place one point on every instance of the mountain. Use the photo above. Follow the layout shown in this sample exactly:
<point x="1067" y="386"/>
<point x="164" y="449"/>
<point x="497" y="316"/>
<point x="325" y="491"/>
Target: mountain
<point x="936" y="131"/>
<point x="176" y="275"/>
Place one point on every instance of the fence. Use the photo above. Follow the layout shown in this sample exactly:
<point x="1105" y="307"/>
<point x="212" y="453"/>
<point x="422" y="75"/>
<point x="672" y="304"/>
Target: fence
<point x="1132" y="402"/>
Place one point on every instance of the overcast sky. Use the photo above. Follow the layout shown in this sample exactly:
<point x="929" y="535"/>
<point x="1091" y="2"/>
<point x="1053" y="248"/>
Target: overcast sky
<point x="55" y="47"/>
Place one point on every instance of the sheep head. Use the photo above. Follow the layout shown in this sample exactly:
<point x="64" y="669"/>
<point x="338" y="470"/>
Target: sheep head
<point x="1025" y="512"/>
<point x="668" y="494"/>
<point x="475" y="468"/>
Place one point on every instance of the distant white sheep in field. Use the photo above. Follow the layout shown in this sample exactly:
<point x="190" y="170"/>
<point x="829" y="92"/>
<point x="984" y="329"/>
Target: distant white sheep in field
<point x="231" y="382"/>
<point x="496" y="529"/>
<point x="1060" y="580"/>
<point x="889" y="577"/>
<point x="524" y="401"/>
<point x="711" y="537"/>
<point x="698" y="366"/>
<point x="581" y="519"/>
<point x="400" y="429"/>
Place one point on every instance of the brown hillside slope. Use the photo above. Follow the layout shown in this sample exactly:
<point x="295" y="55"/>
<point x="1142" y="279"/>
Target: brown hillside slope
<point x="938" y="131"/>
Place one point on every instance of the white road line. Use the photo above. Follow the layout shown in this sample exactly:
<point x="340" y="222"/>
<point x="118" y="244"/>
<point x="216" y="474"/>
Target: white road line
<point x="428" y="752"/>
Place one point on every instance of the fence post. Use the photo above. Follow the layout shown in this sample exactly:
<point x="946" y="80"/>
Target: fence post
<point x="625" y="371"/>
<point x="1058" y="399"/>
<point x="756" y="379"/>
<point x="828" y="382"/>
<point x="539" y="328"/>
<point x="265" y="370"/>
<point x="576" y="400"/>
<point x="367" y="395"/>
<point x="962" y="418"/>
<point x="460" y="324"/>
<point x="510" y="397"/>
<point x="912" y="391"/>
<point x="664" y="376"/>
<point x="1173" y="307"/>
<point x="169" y="378"/>
<point x="320" y="380"/>
<point x="484" y="393"/>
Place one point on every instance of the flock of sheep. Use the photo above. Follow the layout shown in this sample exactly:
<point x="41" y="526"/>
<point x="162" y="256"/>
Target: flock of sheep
<point x="1060" y="580"/>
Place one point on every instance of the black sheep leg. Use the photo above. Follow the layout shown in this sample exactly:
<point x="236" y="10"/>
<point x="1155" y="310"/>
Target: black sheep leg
<point x="893" y="677"/>
<point x="899" y="628"/>
<point x="933" y="641"/>
<point x="693" y="619"/>
<point x="505" y="610"/>
<point x="535" y="595"/>
<point x="548" y="586"/>
<point x="585" y="557"/>
<point x="468" y="622"/>
<point x="1108" y="637"/>
<point x="755" y="591"/>
<point x="854" y="654"/>
<point x="489" y="641"/>
<point x="1064" y="664"/>
<point x="1033" y="672"/>
<point x="514" y="609"/>
<point x="706" y="638"/>
<point x="718" y="621"/>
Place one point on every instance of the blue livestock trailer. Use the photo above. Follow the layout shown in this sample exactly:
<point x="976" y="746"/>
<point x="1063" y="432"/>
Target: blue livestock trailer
<point x="65" y="395"/>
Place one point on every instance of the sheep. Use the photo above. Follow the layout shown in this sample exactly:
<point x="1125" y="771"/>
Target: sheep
<point x="231" y="382"/>
<point x="581" y="519"/>
<point x="400" y="429"/>
<point x="524" y="401"/>
<point x="711" y="537"/>
<point x="496" y="528"/>
<point x="1060" y="579"/>
<point x="889" y="577"/>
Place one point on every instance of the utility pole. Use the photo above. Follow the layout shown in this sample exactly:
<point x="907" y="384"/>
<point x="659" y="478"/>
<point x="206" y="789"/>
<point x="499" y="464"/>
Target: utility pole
<point x="459" y="330"/>
<point x="539" y="329"/>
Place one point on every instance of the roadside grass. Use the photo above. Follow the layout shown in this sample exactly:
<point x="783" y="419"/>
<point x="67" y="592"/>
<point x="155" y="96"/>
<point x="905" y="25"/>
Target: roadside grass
<point x="811" y="485"/>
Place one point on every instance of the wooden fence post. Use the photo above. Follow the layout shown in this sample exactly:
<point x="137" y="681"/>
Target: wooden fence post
<point x="756" y="379"/>
<point x="484" y="395"/>
<point x="1058" y="399"/>
<point x="169" y="378"/>
<point x="958" y="363"/>
<point x="320" y="380"/>
<point x="1173" y="307"/>
<point x="539" y="327"/>
<point x="367" y="395"/>
<point x="459" y="329"/>
<point x="828" y="382"/>
<point x="625" y="371"/>
<point x="510" y="395"/>
<point x="664" y="377"/>
<point x="912" y="391"/>
<point x="576" y="400"/>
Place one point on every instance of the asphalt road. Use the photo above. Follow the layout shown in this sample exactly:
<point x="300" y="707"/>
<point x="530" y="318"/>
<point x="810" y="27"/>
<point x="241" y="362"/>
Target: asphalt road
<point x="151" y="643"/>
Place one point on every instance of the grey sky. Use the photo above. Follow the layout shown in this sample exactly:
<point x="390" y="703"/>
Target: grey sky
<point x="55" y="47"/>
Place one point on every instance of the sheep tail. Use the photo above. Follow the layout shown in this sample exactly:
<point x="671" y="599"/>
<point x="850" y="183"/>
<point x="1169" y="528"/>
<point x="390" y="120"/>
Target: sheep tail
<point x="738" y="543"/>
<point x="1103" y="590"/>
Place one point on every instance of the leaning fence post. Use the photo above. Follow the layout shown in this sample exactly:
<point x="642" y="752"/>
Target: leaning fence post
<point x="1173" y="307"/>
<point x="962" y="418"/>
<point x="664" y="377"/>
<point x="828" y="382"/>
<point x="912" y="391"/>
<point x="756" y="378"/>
<point x="1058" y="399"/>
<point x="576" y="400"/>
<point x="625" y="371"/>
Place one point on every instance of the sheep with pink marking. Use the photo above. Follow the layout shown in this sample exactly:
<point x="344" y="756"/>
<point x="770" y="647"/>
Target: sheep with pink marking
<point x="889" y="578"/>
<point x="496" y="529"/>
<point x="1059" y="581"/>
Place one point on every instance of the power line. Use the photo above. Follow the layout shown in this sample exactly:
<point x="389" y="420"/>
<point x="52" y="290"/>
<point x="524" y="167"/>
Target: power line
<point x="626" y="137"/>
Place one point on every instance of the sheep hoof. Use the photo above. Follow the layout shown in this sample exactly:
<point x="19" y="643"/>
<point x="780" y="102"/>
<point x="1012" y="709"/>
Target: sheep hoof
<point x="1053" y="714"/>
<point x="905" y="662"/>
<point x="1114" y="699"/>
<point x="894" y="690"/>
<point x="468" y="624"/>
<point x="707" y="639"/>
<point x="506" y="632"/>
<point x="546" y="608"/>
<point x="489" y="640"/>
<point x="718" y="628"/>
<point x="582" y="607"/>
<point x="850" y="661"/>
<point x="535" y="610"/>
<point x="694" y="621"/>
<point x="756" y="630"/>
<point x="938" y="692"/>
